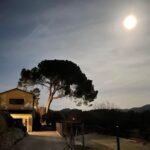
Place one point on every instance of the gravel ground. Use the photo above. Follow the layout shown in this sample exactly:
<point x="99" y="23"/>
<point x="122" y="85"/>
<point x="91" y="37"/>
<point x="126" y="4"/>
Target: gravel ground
<point x="43" y="140"/>
<point x="102" y="142"/>
<point x="50" y="140"/>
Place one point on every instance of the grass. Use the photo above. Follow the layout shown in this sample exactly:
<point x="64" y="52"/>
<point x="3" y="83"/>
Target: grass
<point x="103" y="142"/>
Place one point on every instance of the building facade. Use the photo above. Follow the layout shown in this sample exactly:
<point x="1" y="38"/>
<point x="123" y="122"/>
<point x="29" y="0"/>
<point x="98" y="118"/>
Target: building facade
<point x="20" y="104"/>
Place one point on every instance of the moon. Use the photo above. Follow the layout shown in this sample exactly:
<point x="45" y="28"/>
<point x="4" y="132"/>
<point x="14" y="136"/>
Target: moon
<point x="130" y="22"/>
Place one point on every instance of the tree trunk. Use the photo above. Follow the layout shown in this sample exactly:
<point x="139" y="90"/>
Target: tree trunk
<point x="50" y="98"/>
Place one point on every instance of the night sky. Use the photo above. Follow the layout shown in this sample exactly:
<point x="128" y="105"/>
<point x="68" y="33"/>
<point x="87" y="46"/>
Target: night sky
<point x="87" y="32"/>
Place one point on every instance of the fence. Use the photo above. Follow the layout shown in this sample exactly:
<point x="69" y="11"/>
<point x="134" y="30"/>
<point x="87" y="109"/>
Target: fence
<point x="73" y="133"/>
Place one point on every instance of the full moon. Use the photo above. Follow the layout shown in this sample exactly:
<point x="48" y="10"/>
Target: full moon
<point x="130" y="22"/>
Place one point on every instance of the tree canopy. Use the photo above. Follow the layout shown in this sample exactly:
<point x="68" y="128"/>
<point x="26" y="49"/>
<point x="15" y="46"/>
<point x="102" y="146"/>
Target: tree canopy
<point x="61" y="78"/>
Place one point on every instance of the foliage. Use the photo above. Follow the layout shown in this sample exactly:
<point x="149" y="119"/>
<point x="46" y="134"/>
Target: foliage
<point x="10" y="137"/>
<point x="8" y="119"/>
<point x="61" y="78"/>
<point x="36" y="121"/>
<point x="36" y="92"/>
<point x="105" y="121"/>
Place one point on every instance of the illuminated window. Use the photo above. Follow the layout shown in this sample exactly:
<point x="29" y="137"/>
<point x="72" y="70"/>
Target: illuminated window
<point x="16" y="101"/>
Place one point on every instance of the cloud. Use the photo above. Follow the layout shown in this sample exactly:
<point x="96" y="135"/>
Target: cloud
<point x="89" y="33"/>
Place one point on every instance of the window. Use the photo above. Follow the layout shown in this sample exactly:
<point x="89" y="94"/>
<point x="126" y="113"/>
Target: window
<point x="16" y="101"/>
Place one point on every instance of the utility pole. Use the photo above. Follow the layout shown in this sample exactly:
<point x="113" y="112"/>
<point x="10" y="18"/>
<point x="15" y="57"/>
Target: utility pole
<point x="117" y="137"/>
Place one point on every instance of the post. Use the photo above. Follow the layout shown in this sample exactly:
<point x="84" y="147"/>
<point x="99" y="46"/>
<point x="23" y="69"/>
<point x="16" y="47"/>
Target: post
<point x="83" y="144"/>
<point x="117" y="137"/>
<point x="72" y="137"/>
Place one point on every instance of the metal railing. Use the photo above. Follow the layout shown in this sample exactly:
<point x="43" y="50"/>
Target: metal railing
<point x="73" y="132"/>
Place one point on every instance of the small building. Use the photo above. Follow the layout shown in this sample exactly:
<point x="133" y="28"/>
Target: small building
<point x="20" y="104"/>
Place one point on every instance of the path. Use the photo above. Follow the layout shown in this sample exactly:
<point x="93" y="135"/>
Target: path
<point x="43" y="140"/>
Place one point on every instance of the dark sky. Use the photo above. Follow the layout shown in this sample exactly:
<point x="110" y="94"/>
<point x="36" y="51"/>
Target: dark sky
<point x="88" y="32"/>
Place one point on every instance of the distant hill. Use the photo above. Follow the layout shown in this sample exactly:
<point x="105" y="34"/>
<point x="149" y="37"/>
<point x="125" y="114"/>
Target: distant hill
<point x="139" y="109"/>
<point x="135" y="109"/>
<point x="65" y="110"/>
<point x="69" y="110"/>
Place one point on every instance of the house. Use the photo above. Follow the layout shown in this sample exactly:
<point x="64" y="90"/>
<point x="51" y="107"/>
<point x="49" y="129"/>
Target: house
<point x="20" y="104"/>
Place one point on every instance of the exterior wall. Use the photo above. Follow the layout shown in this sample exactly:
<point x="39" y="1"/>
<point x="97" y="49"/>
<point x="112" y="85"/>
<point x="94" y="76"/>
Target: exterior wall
<point x="16" y="94"/>
<point x="59" y="128"/>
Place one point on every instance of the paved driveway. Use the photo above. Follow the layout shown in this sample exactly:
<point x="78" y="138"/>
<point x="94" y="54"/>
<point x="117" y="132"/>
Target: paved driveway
<point x="43" y="140"/>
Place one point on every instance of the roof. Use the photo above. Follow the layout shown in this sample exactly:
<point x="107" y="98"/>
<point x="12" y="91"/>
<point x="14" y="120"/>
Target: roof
<point x="18" y="90"/>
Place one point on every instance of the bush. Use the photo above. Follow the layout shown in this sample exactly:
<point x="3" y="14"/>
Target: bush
<point x="36" y="121"/>
<point x="6" y="121"/>
<point x="10" y="137"/>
